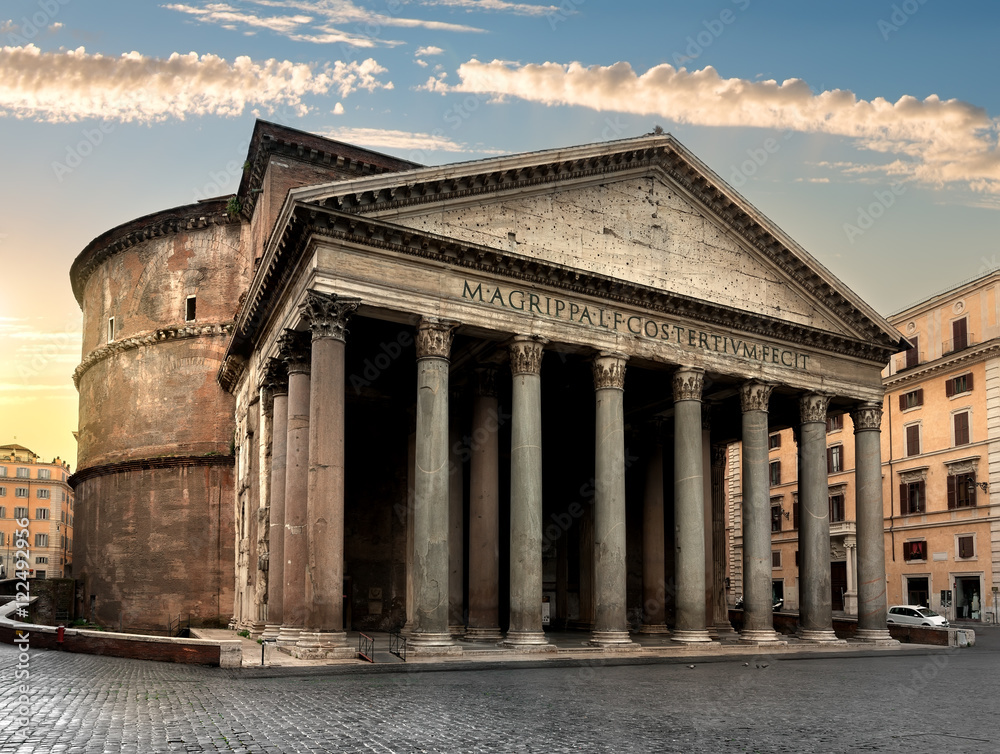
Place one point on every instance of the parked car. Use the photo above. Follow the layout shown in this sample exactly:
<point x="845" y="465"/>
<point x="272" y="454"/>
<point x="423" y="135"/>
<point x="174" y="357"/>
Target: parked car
<point x="915" y="615"/>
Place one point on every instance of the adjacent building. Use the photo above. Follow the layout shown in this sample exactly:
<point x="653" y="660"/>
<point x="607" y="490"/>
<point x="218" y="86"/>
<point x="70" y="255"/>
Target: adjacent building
<point x="36" y="491"/>
<point x="941" y="460"/>
<point x="374" y="395"/>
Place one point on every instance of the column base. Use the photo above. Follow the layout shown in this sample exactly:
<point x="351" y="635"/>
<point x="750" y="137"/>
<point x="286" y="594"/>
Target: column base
<point x="612" y="640"/>
<point x="820" y="636"/>
<point x="432" y="644"/>
<point x="527" y="641"/>
<point x="271" y="631"/>
<point x="491" y="635"/>
<point x="323" y="645"/>
<point x="762" y="636"/>
<point x="691" y="636"/>
<point x="875" y="636"/>
<point x="654" y="628"/>
<point x="288" y="637"/>
<point x="725" y="630"/>
<point x="457" y="630"/>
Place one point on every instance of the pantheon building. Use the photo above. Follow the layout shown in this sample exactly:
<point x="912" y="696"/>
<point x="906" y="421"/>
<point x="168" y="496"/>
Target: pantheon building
<point x="470" y="402"/>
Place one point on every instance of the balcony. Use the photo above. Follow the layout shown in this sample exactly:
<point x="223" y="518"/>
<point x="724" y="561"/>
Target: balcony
<point x="957" y="344"/>
<point x="842" y="528"/>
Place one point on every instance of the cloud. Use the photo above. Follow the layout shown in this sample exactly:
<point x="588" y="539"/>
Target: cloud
<point x="427" y="51"/>
<point x="338" y="109"/>
<point x="932" y="140"/>
<point x="392" y="139"/>
<point x="500" y="6"/>
<point x="72" y="85"/>
<point x="317" y="21"/>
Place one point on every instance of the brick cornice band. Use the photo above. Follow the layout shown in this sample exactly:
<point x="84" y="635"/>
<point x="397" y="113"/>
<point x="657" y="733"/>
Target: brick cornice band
<point x="146" y="464"/>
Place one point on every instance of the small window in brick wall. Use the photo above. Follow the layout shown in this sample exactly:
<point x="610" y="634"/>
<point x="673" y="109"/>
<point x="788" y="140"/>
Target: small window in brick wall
<point x="190" y="308"/>
<point x="958" y="385"/>
<point x="915" y="550"/>
<point x="773" y="441"/>
<point x="966" y="547"/>
<point x="911" y="399"/>
<point x="776" y="559"/>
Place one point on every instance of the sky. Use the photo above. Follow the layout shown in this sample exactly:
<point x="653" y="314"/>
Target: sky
<point x="866" y="130"/>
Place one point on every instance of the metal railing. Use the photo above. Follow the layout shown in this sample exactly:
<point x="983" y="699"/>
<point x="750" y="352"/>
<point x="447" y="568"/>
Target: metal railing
<point x="366" y="647"/>
<point x="957" y="344"/>
<point x="397" y="646"/>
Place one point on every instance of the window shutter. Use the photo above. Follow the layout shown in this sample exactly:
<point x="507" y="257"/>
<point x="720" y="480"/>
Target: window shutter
<point x="829" y="460"/>
<point x="972" y="494"/>
<point x="960" y="333"/>
<point x="920" y="396"/>
<point x="962" y="429"/>
<point x="949" y="388"/>
<point x="921" y="495"/>
<point x="968" y="381"/>
<point x="904" y="498"/>
<point x="952" y="501"/>
<point x="913" y="440"/>
<point x="913" y="354"/>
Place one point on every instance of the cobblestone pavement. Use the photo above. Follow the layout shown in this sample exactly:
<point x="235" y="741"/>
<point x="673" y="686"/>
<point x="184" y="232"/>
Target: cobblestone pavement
<point x="944" y="701"/>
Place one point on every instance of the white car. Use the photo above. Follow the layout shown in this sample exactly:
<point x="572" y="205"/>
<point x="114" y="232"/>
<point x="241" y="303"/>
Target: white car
<point x="915" y="615"/>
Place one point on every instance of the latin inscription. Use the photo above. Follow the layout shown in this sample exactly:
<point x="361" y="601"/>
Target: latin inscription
<point x="552" y="307"/>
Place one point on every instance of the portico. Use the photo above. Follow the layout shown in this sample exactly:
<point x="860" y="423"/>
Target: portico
<point x="526" y="320"/>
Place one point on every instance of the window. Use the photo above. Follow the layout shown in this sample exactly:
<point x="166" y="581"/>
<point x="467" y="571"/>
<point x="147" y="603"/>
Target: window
<point x="41" y="514"/>
<point x="3" y="512"/>
<point x="959" y="334"/>
<point x="189" y="308"/>
<point x="42" y="560"/>
<point x="20" y="513"/>
<point x="3" y="493"/>
<point x="775" y="518"/>
<point x="913" y="439"/>
<point x="20" y="492"/>
<point x="913" y="353"/>
<point x="776" y="559"/>
<point x="111" y="329"/>
<point x="795" y="517"/>
<point x="2" y="535"/>
<point x="3" y="471"/>
<point x="23" y="473"/>
<point x="915" y="550"/>
<point x="958" y="385"/>
<point x="962" y="491"/>
<point x="39" y="574"/>
<point x="911" y="399"/>
<point x="42" y="494"/>
<point x="834" y="459"/>
<point x="911" y="498"/>
<point x="773" y="441"/>
<point x="834" y="423"/>
<point x="41" y="540"/>
<point x="775" y="473"/>
<point x="961" y="423"/>
<point x="967" y="546"/>
<point x="44" y="474"/>
<point x="836" y="508"/>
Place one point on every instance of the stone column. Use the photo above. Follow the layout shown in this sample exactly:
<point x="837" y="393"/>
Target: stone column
<point x="327" y="316"/>
<point x="526" y="494"/>
<point x="610" y="619"/>
<point x="851" y="595"/>
<point x="815" y="607"/>
<point x="758" y="617"/>
<point x="872" y="606"/>
<point x="456" y="525"/>
<point x="720" y="608"/>
<point x="706" y="466"/>
<point x="484" y="513"/>
<point x="586" y="575"/>
<point x="276" y="382"/>
<point x="654" y="579"/>
<point x="294" y="349"/>
<point x="431" y="490"/>
<point x="689" y="508"/>
<point x="411" y="483"/>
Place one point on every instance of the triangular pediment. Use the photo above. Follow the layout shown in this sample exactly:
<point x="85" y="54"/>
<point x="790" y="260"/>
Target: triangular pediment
<point x="644" y="211"/>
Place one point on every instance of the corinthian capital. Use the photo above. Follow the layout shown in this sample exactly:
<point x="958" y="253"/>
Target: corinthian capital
<point x="755" y="395"/>
<point x="294" y="348"/>
<point x="526" y="354"/>
<point x="812" y="407"/>
<point x="688" y="384"/>
<point x="327" y="314"/>
<point x="609" y="371"/>
<point x="434" y="338"/>
<point x="867" y="416"/>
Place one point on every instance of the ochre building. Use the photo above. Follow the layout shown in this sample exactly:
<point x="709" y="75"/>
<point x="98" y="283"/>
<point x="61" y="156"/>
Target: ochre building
<point x="469" y="401"/>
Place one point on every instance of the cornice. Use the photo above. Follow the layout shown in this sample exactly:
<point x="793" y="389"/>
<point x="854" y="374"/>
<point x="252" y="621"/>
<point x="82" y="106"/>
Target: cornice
<point x="307" y="221"/>
<point x="152" y="338"/>
<point x="145" y="464"/>
<point x="168" y="222"/>
<point x="968" y="357"/>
